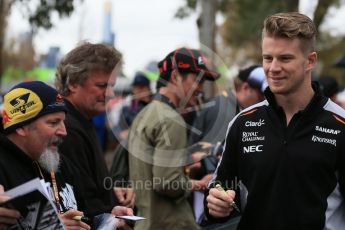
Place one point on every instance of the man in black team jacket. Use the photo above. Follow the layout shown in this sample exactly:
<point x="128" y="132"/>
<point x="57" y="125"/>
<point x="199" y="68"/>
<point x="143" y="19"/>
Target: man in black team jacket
<point x="85" y="77"/>
<point x="33" y="120"/>
<point x="284" y="157"/>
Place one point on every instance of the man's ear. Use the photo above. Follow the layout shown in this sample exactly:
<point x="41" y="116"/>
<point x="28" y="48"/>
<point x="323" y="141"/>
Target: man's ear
<point x="174" y="77"/>
<point x="21" y="131"/>
<point x="312" y="58"/>
<point x="72" y="87"/>
<point x="245" y="85"/>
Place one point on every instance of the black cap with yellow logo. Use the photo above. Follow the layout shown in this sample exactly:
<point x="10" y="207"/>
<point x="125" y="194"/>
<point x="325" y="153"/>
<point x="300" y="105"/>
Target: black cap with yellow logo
<point x="28" y="101"/>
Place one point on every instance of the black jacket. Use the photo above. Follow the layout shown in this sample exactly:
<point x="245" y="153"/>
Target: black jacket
<point x="17" y="168"/>
<point x="287" y="177"/>
<point x="81" y="146"/>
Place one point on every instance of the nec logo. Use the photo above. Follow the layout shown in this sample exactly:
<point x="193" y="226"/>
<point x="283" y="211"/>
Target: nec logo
<point x="255" y="123"/>
<point x="252" y="149"/>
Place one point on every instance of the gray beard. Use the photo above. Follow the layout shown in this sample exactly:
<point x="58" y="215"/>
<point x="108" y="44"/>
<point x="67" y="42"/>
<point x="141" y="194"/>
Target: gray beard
<point x="49" y="160"/>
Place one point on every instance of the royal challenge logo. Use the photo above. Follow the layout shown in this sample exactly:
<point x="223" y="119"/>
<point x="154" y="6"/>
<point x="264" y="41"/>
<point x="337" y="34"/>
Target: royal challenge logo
<point x="252" y="136"/>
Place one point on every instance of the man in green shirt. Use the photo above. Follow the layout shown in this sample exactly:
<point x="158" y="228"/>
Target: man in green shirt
<point x="157" y="144"/>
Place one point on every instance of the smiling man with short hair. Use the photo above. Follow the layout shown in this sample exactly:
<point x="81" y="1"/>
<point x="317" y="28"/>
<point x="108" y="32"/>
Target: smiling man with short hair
<point x="292" y="173"/>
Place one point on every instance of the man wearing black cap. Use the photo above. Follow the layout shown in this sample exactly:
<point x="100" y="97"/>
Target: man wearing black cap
<point x="157" y="143"/>
<point x="250" y="85"/>
<point x="33" y="122"/>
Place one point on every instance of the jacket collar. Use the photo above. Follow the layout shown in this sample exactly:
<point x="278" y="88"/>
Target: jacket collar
<point x="75" y="113"/>
<point x="317" y="101"/>
<point x="164" y="99"/>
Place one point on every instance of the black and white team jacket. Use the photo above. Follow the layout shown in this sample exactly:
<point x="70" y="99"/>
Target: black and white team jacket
<point x="287" y="177"/>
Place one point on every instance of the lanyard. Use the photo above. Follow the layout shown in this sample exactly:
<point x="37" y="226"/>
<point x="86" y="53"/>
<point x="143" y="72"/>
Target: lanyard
<point x="55" y="189"/>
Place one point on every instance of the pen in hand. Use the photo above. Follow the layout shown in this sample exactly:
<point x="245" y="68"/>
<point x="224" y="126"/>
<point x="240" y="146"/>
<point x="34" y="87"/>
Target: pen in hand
<point x="81" y="218"/>
<point x="233" y="204"/>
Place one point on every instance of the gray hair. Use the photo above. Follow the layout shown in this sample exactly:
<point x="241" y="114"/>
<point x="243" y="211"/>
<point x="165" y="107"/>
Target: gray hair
<point x="85" y="59"/>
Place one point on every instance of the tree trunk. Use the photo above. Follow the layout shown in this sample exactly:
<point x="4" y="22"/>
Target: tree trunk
<point x="321" y="11"/>
<point x="292" y="5"/>
<point x="207" y="31"/>
<point x="4" y="10"/>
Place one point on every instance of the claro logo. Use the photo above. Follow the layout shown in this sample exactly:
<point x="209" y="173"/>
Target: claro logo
<point x="252" y="149"/>
<point x="255" y="123"/>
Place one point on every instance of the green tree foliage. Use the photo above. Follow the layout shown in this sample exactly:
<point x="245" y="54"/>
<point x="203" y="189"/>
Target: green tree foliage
<point x="184" y="11"/>
<point x="331" y="48"/>
<point x="41" y="16"/>
<point x="244" y="19"/>
<point x="321" y="10"/>
<point x="20" y="53"/>
<point x="243" y="23"/>
<point x="38" y="17"/>
<point x="241" y="30"/>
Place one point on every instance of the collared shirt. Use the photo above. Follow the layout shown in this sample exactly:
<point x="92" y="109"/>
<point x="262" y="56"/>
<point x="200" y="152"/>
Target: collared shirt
<point x="287" y="177"/>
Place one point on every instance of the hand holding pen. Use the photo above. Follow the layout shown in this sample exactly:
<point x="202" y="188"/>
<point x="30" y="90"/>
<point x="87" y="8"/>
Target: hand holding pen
<point x="73" y="219"/>
<point x="220" y="202"/>
<point x="233" y="204"/>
